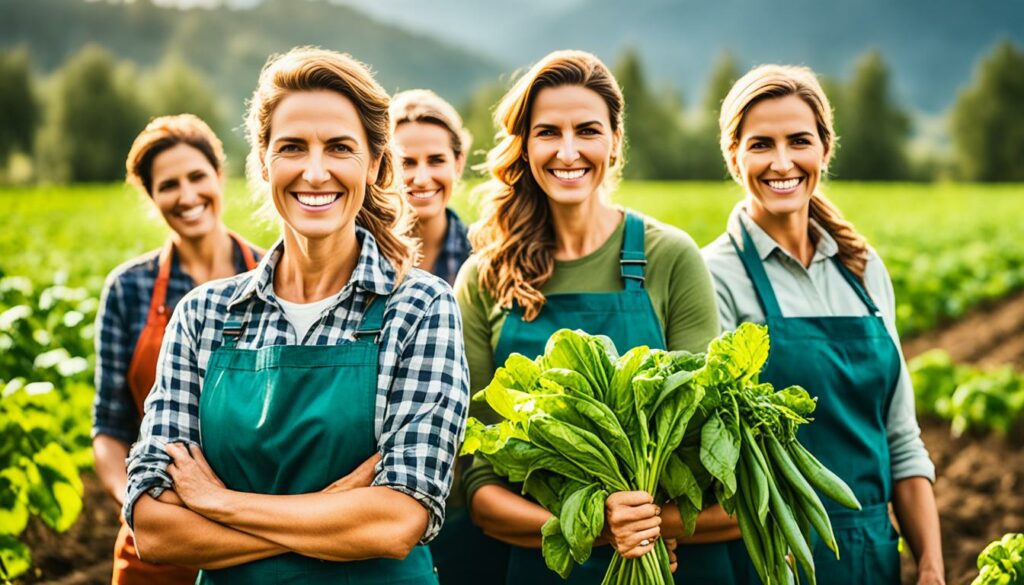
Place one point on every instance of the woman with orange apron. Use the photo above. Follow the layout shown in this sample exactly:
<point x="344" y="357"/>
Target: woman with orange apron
<point x="177" y="161"/>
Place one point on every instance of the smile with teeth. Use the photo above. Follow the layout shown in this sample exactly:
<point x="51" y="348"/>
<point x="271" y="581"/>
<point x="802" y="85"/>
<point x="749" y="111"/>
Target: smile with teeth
<point x="784" y="184"/>
<point x="421" y="194"/>
<point x="192" y="213"/>
<point x="316" y="199"/>
<point x="568" y="174"/>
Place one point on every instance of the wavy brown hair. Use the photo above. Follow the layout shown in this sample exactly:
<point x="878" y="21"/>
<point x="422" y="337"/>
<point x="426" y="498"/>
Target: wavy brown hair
<point x="514" y="239"/>
<point x="385" y="213"/>
<point x="778" y="81"/>
<point x="164" y="133"/>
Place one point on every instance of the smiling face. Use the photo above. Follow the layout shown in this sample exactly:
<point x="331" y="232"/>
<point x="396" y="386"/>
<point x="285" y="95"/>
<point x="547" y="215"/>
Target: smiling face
<point x="429" y="166"/>
<point x="187" y="190"/>
<point x="571" y="143"/>
<point x="318" y="163"/>
<point x="780" y="156"/>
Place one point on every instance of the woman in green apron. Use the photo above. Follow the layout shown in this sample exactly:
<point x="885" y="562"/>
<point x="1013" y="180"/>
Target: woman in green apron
<point x="551" y="251"/>
<point x="306" y="416"/>
<point x="790" y="260"/>
<point x="431" y="145"/>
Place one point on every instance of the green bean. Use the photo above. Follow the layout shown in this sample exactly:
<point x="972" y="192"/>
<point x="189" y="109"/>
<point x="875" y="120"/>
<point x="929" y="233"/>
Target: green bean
<point x="790" y="530"/>
<point x="750" y="531"/>
<point x="758" y="473"/>
<point x="822" y="478"/>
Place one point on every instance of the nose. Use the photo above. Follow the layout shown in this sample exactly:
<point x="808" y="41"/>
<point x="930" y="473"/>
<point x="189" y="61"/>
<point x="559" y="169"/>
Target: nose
<point x="567" y="152"/>
<point x="782" y="162"/>
<point x="420" y="175"/>
<point x="189" y="191"/>
<point x="315" y="172"/>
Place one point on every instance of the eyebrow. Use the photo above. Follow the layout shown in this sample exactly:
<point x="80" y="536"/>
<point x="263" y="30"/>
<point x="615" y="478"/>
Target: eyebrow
<point x="332" y="140"/>
<point x="789" y="136"/>
<point x="586" y="124"/>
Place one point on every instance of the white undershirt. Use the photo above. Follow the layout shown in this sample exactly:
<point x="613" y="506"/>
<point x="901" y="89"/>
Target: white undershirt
<point x="302" y="316"/>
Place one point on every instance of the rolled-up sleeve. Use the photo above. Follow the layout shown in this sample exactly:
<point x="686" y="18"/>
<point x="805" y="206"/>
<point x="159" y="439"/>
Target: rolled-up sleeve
<point x="113" y="409"/>
<point x="907" y="452"/>
<point x="172" y="408"/>
<point x="426" y="408"/>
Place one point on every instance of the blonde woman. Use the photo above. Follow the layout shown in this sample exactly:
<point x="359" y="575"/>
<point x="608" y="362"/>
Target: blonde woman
<point x="431" y="146"/>
<point x="789" y="259"/>
<point x="552" y="251"/>
<point x="306" y="415"/>
<point x="177" y="162"/>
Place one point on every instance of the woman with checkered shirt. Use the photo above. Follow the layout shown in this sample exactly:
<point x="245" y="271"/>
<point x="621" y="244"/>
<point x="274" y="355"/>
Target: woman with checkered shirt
<point x="178" y="163"/>
<point x="306" y="416"/>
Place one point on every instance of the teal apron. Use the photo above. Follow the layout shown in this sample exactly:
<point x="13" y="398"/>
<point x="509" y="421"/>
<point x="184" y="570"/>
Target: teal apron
<point x="464" y="555"/>
<point x="292" y="419"/>
<point x="851" y="364"/>
<point x="628" y="318"/>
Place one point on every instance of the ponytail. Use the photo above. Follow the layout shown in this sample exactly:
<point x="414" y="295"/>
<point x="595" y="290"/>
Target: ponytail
<point x="853" y="248"/>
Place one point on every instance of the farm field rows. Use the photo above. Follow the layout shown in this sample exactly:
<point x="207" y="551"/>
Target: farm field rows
<point x="949" y="249"/>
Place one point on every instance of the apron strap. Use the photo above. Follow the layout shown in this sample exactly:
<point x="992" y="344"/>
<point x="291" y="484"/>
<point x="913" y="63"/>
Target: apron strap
<point x="632" y="259"/>
<point x="232" y="331"/>
<point x="857" y="287"/>
<point x="158" y="302"/>
<point x="246" y="249"/>
<point x="755" y="270"/>
<point x="373" y="319"/>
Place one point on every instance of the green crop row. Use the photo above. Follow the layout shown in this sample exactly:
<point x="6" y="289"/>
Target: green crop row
<point x="947" y="247"/>
<point x="972" y="399"/>
<point x="45" y="399"/>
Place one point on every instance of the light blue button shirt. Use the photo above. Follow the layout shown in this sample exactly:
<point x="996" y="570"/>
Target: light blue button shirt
<point x="818" y="290"/>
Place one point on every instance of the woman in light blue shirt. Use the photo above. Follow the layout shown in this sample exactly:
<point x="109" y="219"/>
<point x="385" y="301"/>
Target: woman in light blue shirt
<point x="790" y="260"/>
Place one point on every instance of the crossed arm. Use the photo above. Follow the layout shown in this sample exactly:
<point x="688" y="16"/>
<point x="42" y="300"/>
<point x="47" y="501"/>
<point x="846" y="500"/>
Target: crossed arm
<point x="203" y="524"/>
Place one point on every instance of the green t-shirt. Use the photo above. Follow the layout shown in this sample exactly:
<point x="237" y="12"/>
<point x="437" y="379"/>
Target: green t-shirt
<point x="677" y="281"/>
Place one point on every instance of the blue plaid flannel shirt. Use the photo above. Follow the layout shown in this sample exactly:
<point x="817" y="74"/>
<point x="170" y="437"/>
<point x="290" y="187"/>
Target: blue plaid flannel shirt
<point x="454" y="250"/>
<point x="124" y="306"/>
<point x="422" y="391"/>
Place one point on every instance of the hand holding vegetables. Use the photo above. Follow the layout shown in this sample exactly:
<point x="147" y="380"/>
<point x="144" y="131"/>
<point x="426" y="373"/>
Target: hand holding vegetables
<point x="582" y="422"/>
<point x="633" y="523"/>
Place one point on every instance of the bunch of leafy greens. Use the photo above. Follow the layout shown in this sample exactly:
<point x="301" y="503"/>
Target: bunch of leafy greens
<point x="582" y="421"/>
<point x="1002" y="562"/>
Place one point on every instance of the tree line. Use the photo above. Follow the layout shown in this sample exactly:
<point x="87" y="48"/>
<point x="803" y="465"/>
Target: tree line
<point x="77" y="124"/>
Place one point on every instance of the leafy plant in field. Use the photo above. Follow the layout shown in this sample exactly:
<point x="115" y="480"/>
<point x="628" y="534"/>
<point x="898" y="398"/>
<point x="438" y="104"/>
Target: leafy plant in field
<point x="970" y="398"/>
<point x="1002" y="562"/>
<point x="581" y="421"/>
<point x="44" y="424"/>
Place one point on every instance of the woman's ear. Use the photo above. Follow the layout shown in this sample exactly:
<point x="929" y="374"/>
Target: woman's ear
<point x="373" y="171"/>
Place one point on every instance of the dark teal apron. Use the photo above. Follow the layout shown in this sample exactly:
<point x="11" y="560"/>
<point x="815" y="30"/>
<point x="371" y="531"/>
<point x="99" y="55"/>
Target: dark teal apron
<point x="851" y="364"/>
<point x="292" y="419"/>
<point x="628" y="318"/>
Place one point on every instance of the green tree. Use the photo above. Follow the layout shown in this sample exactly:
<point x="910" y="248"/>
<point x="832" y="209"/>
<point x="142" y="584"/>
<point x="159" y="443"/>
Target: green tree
<point x="20" y="110"/>
<point x="703" y="152"/>
<point x="654" y="131"/>
<point x="873" y="144"/>
<point x="478" y="118"/>
<point x="987" y="119"/>
<point x="175" y="88"/>
<point x="96" y="116"/>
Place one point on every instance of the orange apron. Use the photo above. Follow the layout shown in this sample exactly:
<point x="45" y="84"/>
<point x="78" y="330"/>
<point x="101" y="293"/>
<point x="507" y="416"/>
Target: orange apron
<point x="128" y="569"/>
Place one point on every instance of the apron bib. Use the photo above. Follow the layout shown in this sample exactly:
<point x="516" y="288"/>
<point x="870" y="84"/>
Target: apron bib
<point x="291" y="419"/>
<point x="852" y="365"/>
<point x="629" y="319"/>
<point x="128" y="568"/>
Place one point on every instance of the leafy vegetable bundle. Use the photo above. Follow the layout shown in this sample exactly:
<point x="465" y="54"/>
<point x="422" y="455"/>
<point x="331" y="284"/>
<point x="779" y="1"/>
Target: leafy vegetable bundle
<point x="1002" y="562"/>
<point x="582" y="421"/>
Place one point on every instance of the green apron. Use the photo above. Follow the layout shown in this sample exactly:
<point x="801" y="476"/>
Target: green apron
<point x="292" y="419"/>
<point x="628" y="318"/>
<point x="464" y="555"/>
<point x="851" y="364"/>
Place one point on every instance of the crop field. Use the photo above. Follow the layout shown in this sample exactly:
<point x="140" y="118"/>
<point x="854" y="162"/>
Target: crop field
<point x="954" y="252"/>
